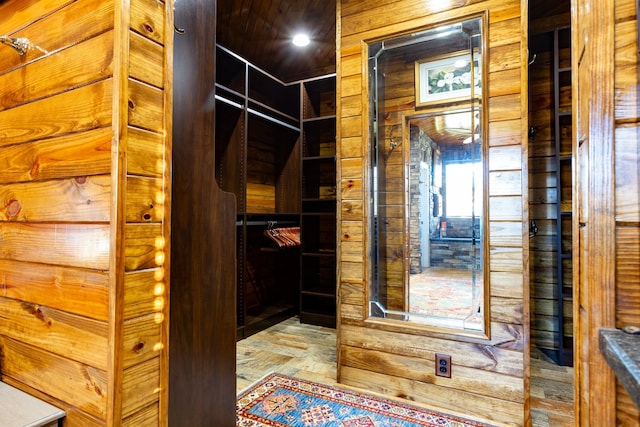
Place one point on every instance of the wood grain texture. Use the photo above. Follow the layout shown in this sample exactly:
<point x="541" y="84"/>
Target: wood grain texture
<point x="85" y="108"/>
<point x="59" y="244"/>
<point x="422" y="369"/>
<point x="80" y="385"/>
<point x="146" y="417"/>
<point x="627" y="183"/>
<point x="145" y="153"/>
<point x="145" y="201"/>
<point x="435" y="396"/>
<point x="72" y="67"/>
<point x="56" y="331"/>
<point x="86" y="153"/>
<point x="142" y="339"/>
<point x="146" y="107"/>
<point x="41" y="23"/>
<point x="594" y="107"/>
<point x="66" y="198"/>
<point x="147" y="18"/>
<point x="21" y="13"/>
<point x="140" y="385"/>
<point x="73" y="290"/>
<point x="141" y="291"/>
<point x="78" y="199"/>
<point x="146" y="61"/>
<point x="507" y="255"/>
<point x="144" y="246"/>
<point x="203" y="308"/>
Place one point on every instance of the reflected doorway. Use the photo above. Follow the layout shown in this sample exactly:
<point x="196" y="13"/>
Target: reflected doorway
<point x="444" y="204"/>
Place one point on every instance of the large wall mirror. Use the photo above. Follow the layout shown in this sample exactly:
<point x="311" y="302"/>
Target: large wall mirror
<point x="428" y="198"/>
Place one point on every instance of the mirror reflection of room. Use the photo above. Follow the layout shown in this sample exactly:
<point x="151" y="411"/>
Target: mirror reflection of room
<point x="445" y="210"/>
<point x="427" y="177"/>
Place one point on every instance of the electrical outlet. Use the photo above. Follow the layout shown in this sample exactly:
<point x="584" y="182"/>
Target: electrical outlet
<point x="443" y="365"/>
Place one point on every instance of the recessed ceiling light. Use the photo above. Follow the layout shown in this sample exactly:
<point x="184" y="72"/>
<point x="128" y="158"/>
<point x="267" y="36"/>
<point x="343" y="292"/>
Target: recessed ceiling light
<point x="300" y="40"/>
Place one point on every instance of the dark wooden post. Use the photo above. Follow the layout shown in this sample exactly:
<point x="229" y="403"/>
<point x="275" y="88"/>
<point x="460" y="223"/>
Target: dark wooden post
<point x="202" y="383"/>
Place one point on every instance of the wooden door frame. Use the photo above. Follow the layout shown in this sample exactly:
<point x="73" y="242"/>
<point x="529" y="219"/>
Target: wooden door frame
<point x="594" y="290"/>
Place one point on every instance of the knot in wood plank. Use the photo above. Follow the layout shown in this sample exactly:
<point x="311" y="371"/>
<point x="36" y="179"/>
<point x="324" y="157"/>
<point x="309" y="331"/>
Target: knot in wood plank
<point x="148" y="27"/>
<point x="12" y="208"/>
<point x="138" y="347"/>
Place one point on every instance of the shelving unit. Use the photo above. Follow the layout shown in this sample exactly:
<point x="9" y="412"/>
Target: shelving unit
<point x="551" y="193"/>
<point x="275" y="150"/>
<point x="257" y="158"/>
<point x="563" y="144"/>
<point x="318" y="207"/>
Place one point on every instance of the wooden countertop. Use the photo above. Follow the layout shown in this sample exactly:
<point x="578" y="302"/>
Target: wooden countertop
<point x="19" y="409"/>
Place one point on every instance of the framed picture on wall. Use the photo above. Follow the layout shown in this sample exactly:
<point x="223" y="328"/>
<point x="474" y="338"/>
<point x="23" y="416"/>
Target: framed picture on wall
<point x="447" y="79"/>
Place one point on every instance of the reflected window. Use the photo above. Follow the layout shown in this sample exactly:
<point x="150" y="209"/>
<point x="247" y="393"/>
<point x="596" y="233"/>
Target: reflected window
<point x="462" y="180"/>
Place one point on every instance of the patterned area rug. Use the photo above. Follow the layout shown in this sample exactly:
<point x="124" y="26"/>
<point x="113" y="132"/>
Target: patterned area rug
<point x="279" y="400"/>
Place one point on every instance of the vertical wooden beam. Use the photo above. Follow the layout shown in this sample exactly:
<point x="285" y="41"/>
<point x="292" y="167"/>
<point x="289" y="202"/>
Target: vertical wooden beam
<point x="120" y="115"/>
<point x="202" y="339"/>
<point x="163" y="420"/>
<point x="593" y="23"/>
<point x="526" y="253"/>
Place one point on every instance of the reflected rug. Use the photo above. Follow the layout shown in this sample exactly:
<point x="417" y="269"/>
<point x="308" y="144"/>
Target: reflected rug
<point x="443" y="297"/>
<point x="279" y="400"/>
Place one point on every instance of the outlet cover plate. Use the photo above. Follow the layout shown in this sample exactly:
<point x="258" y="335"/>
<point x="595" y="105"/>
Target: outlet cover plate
<point x="443" y="365"/>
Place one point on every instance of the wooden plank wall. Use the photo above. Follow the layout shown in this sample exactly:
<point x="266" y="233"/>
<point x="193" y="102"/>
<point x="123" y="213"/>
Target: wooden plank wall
<point x="490" y="376"/>
<point x="627" y="183"/>
<point x="83" y="217"/>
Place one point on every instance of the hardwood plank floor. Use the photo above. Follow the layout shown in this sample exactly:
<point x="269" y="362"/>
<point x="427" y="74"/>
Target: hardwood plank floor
<point x="309" y="352"/>
<point x="289" y="348"/>
<point x="551" y="392"/>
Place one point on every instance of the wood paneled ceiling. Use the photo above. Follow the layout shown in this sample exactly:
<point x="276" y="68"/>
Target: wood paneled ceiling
<point x="261" y="31"/>
<point x="541" y="9"/>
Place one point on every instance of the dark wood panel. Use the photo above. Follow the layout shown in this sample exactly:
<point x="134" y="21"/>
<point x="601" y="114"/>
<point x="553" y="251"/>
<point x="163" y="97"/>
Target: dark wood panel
<point x="203" y="322"/>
